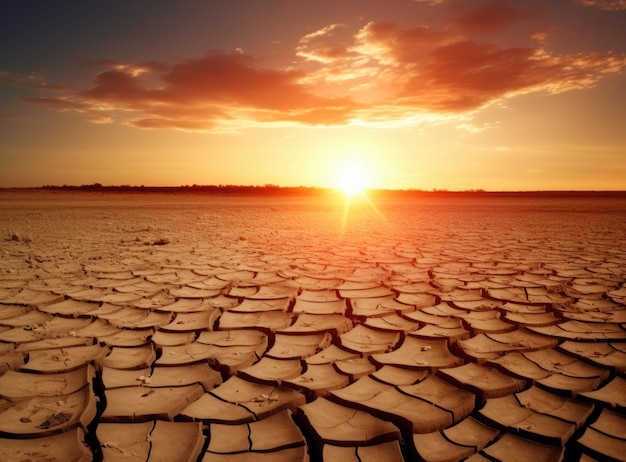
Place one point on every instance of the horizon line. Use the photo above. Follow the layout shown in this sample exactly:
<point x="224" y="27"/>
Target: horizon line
<point x="275" y="188"/>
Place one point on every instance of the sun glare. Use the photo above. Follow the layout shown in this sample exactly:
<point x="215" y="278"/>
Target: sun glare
<point x="352" y="177"/>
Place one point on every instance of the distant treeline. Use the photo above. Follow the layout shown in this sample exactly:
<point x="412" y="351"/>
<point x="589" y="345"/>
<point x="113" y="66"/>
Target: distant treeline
<point x="276" y="190"/>
<point x="212" y="189"/>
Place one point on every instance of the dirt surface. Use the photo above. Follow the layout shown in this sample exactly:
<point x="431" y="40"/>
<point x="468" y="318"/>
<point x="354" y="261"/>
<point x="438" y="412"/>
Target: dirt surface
<point x="505" y="298"/>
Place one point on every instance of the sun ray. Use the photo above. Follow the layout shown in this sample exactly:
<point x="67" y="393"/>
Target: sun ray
<point x="353" y="178"/>
<point x="346" y="211"/>
<point x="373" y="206"/>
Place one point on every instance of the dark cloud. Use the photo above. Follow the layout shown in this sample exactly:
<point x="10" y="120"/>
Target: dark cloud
<point x="120" y="87"/>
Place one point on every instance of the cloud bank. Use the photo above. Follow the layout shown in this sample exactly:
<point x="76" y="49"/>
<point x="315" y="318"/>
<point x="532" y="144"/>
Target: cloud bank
<point x="382" y="72"/>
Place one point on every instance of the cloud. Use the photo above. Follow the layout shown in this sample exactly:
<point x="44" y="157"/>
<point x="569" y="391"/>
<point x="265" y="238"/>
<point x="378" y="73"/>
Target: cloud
<point x="322" y="47"/>
<point x="61" y="103"/>
<point x="383" y="73"/>
<point x="493" y="15"/>
<point x="235" y="80"/>
<point x="607" y="5"/>
<point x="31" y="80"/>
<point x="199" y="94"/>
<point x="435" y="71"/>
<point x="119" y="87"/>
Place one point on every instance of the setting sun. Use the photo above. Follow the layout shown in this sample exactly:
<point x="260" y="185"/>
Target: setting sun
<point x="352" y="176"/>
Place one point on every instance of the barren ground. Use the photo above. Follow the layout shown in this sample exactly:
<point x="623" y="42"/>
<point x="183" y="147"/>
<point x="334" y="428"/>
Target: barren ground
<point x="513" y="305"/>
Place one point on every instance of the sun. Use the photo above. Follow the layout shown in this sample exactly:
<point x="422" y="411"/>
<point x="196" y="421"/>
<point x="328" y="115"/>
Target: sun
<point x="352" y="176"/>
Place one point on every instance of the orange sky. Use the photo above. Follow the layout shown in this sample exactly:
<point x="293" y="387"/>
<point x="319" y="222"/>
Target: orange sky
<point x="447" y="94"/>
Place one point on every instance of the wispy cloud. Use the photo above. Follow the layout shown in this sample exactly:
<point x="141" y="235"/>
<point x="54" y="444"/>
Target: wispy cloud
<point x="607" y="5"/>
<point x="31" y="80"/>
<point x="321" y="45"/>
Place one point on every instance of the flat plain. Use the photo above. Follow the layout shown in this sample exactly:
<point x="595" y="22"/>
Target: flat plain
<point x="201" y="327"/>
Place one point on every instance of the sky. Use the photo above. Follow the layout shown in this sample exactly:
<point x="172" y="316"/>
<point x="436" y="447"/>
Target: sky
<point x="420" y="94"/>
